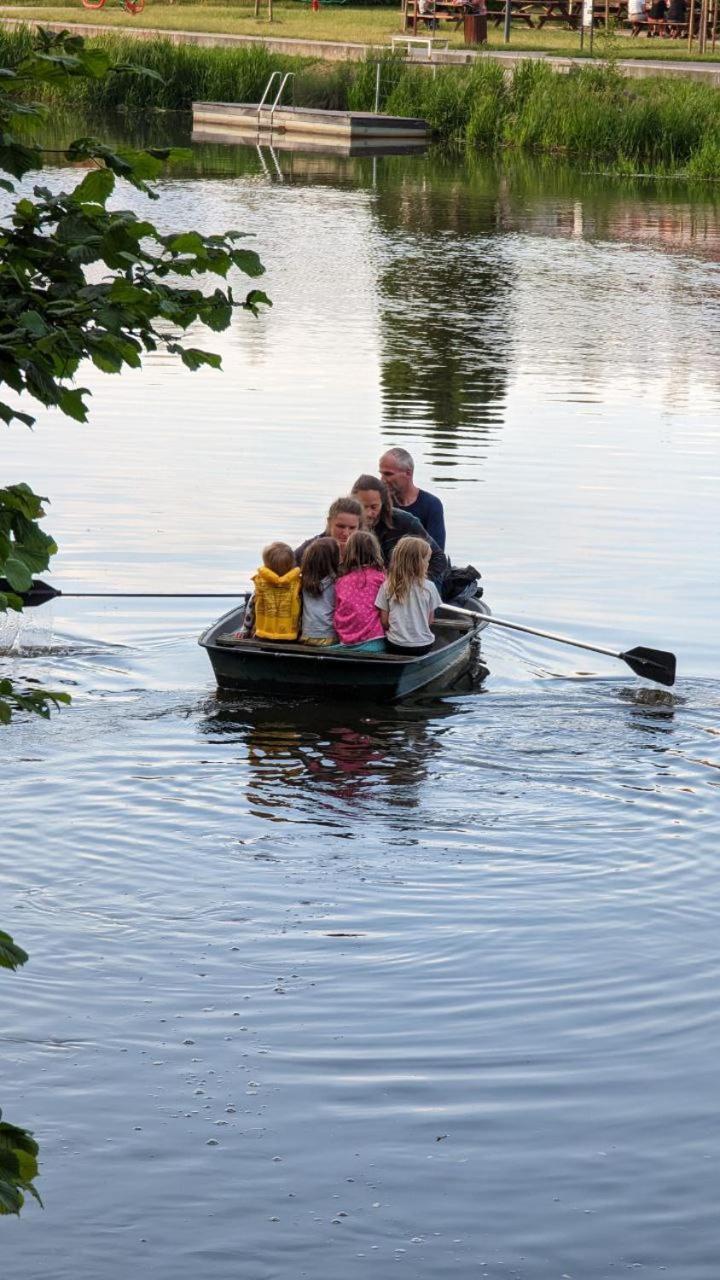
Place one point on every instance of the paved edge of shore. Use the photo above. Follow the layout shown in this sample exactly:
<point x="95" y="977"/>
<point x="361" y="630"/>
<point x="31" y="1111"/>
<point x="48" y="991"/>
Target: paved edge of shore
<point x="347" y="51"/>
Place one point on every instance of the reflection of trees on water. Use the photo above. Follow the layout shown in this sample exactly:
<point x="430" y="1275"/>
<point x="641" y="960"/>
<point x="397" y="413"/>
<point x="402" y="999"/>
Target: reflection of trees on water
<point x="445" y="308"/>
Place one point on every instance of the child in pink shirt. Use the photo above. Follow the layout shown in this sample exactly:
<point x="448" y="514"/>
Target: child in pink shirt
<point x="357" y="619"/>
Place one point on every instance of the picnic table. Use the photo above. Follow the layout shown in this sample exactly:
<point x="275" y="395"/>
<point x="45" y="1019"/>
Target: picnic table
<point x="537" y="13"/>
<point x="453" y="11"/>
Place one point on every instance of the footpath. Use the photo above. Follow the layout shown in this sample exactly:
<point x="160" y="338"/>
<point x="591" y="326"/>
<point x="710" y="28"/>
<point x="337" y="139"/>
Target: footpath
<point x="347" y="51"/>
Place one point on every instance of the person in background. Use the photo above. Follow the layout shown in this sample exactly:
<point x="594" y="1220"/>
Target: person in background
<point x="344" y="517"/>
<point x="273" y="612"/>
<point x="677" y="19"/>
<point x="408" y="599"/>
<point x="636" y="16"/>
<point x="656" y="17"/>
<point x="390" y="524"/>
<point x="320" y="567"/>
<point x="356" y="619"/>
<point x="397" y="470"/>
<point x="426" y="11"/>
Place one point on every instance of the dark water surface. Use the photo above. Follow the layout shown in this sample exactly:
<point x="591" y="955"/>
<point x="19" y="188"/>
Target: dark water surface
<point x="417" y="992"/>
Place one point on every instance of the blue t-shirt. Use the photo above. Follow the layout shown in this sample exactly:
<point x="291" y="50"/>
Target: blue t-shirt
<point x="429" y="511"/>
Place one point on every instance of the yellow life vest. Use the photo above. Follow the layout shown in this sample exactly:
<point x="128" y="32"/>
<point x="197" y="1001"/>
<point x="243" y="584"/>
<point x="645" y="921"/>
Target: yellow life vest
<point x="277" y="604"/>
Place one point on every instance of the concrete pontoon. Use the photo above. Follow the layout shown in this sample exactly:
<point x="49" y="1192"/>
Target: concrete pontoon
<point x="347" y="126"/>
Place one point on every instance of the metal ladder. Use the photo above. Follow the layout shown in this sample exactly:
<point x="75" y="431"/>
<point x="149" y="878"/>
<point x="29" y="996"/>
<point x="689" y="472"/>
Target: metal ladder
<point x="289" y="75"/>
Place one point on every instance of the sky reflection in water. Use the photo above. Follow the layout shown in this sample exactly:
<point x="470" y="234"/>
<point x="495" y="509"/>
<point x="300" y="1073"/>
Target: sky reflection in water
<point x="421" y="991"/>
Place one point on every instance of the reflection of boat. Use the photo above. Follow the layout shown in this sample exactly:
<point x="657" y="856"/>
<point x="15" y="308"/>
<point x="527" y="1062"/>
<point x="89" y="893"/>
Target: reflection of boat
<point x="271" y="668"/>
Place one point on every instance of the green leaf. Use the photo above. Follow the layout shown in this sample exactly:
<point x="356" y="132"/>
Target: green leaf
<point x="11" y="1199"/>
<point x="11" y="955"/>
<point x="95" y="187"/>
<point x="34" y="324"/>
<point x="248" y="261"/>
<point x="72" y="404"/>
<point x="256" y="298"/>
<point x="18" y="575"/>
<point x="186" y="242"/>
<point x="194" y="359"/>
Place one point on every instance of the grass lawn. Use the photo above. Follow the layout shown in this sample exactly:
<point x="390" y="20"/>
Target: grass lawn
<point x="338" y="23"/>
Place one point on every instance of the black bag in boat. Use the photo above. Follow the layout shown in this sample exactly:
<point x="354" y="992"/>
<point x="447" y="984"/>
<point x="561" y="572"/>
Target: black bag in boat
<point x="461" y="584"/>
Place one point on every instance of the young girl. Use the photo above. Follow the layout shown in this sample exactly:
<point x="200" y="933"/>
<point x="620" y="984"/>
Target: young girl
<point x="273" y="612"/>
<point x="320" y="566"/>
<point x="408" y="600"/>
<point x="357" y="621"/>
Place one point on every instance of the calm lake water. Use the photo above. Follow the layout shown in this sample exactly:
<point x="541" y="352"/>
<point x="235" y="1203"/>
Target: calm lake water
<point x="416" y="992"/>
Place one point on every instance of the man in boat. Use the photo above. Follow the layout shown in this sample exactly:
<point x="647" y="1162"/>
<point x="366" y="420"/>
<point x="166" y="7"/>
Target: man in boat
<point x="390" y="524"/>
<point x="397" y="470"/>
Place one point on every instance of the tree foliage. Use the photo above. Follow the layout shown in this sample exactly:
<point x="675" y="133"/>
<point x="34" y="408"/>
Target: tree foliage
<point x="81" y="281"/>
<point x="18" y="1148"/>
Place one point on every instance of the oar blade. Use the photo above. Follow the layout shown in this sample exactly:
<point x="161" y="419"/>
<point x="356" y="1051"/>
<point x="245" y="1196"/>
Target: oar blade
<point x="652" y="664"/>
<point x="39" y="593"/>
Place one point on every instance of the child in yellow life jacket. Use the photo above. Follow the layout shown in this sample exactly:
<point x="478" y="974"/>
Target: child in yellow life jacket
<point x="274" y="611"/>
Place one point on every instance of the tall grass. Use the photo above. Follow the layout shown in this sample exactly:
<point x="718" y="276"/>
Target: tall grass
<point x="593" y="114"/>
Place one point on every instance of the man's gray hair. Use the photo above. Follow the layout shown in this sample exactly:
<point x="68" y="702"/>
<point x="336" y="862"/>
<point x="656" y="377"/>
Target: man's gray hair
<point x="403" y="458"/>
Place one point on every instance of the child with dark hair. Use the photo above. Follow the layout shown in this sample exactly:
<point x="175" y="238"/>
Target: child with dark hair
<point x="320" y="567"/>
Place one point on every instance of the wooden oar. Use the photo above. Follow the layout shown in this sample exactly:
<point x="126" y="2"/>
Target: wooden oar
<point x="42" y="592"/>
<point x="653" y="664"/>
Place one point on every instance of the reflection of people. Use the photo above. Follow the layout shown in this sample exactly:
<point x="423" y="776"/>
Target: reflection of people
<point x="320" y="565"/>
<point x="408" y="600"/>
<point x="273" y="612"/>
<point x="343" y="518"/>
<point x="356" y="619"/>
<point x="390" y="524"/>
<point x="397" y="470"/>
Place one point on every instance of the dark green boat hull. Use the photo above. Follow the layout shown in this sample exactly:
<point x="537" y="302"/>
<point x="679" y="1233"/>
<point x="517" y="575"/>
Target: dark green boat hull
<point x="278" y="669"/>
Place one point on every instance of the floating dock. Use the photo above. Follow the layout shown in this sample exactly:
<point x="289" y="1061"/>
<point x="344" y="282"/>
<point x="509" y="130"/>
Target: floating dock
<point x="311" y="143"/>
<point x="348" y="127"/>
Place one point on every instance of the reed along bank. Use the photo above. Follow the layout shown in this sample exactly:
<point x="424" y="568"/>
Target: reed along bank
<point x="592" y="114"/>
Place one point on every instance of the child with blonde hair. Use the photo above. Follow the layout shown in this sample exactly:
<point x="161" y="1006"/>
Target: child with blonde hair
<point x="356" y="619"/>
<point x="320" y="567"/>
<point x="408" y="599"/>
<point x="273" y="612"/>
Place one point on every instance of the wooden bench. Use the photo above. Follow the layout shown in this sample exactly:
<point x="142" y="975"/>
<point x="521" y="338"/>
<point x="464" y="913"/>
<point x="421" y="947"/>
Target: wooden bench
<point x="454" y="13"/>
<point x="662" y="28"/>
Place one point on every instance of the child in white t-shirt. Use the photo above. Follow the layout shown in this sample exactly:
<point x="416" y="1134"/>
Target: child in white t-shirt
<point x="408" y="599"/>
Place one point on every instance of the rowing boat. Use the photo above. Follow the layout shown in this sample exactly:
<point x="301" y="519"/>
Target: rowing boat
<point x="273" y="668"/>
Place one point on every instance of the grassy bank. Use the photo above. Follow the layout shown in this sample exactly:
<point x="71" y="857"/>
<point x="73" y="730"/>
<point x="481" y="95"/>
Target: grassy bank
<point x="592" y="115"/>
<point x="359" y="24"/>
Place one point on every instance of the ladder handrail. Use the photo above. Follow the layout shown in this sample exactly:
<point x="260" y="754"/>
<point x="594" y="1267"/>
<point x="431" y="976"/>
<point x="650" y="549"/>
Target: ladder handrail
<point x="266" y="91"/>
<point x="289" y="75"/>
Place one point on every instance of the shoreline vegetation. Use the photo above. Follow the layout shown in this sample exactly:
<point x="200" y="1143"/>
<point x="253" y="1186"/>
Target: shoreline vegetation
<point x="593" y="115"/>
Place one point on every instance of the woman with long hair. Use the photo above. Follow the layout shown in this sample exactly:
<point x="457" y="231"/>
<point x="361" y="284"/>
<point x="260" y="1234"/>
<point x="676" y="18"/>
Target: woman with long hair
<point x="390" y="524"/>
